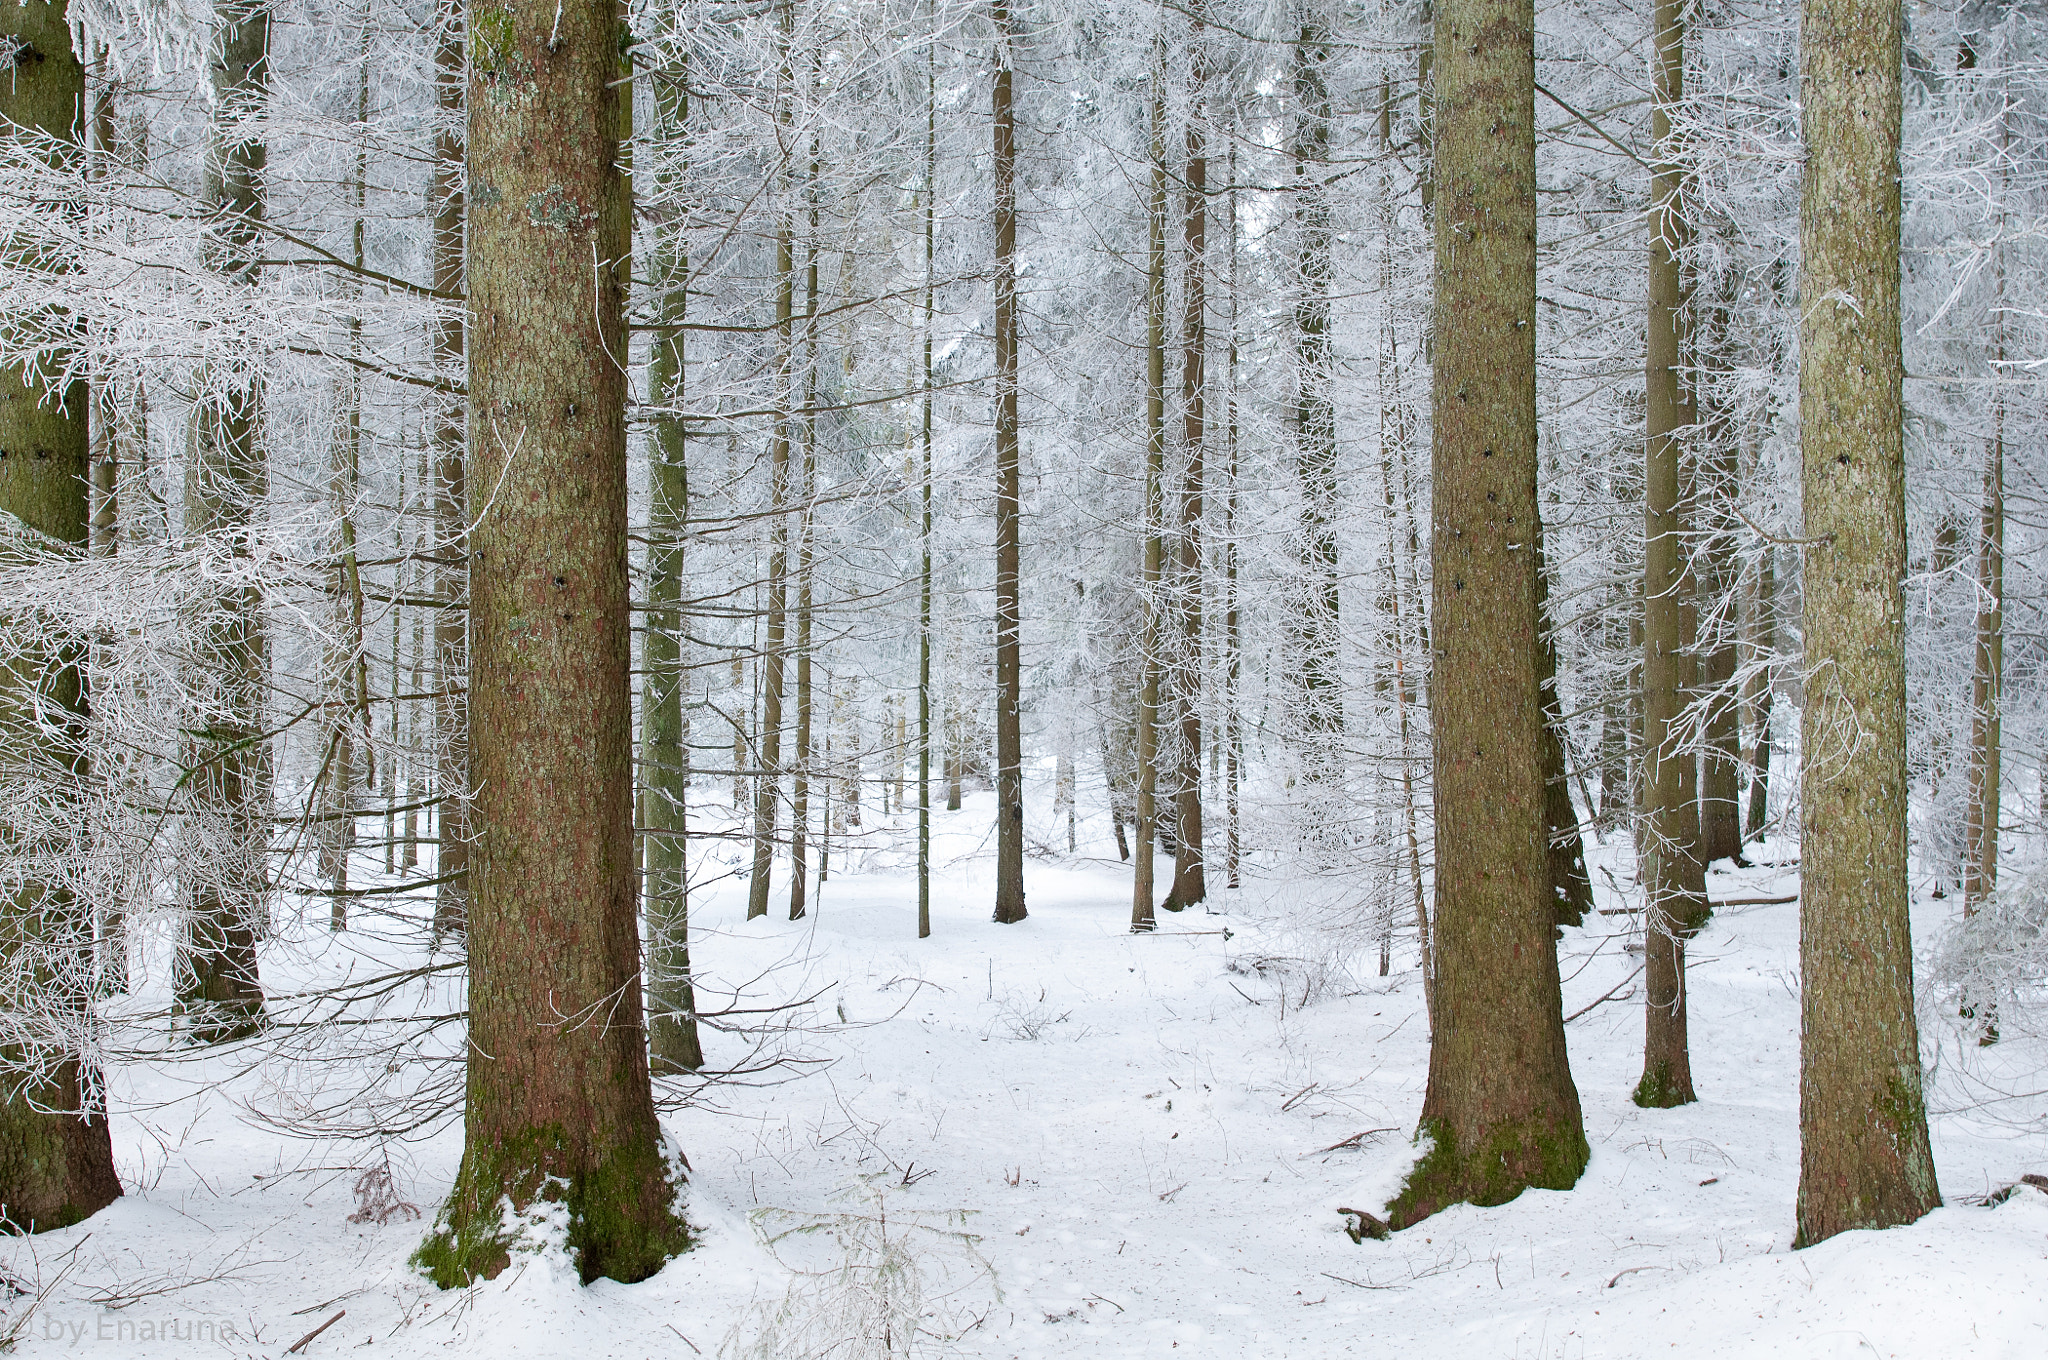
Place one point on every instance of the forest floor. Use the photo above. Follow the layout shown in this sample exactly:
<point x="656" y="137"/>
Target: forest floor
<point x="1149" y="1138"/>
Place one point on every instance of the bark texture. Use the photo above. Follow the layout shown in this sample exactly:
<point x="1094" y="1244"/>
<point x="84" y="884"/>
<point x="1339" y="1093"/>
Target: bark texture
<point x="1501" y="1113"/>
<point x="1674" y="873"/>
<point x="559" y="1106"/>
<point x="451" y="509"/>
<point x="1009" y="619"/>
<point x="56" y="1158"/>
<point x="1864" y="1160"/>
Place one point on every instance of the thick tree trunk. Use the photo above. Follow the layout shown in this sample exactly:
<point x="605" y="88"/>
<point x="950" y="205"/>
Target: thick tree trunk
<point x="56" y="1158"/>
<point x="451" y="507"/>
<point x="1501" y="1112"/>
<point x="673" y="1043"/>
<point x="1009" y="620"/>
<point x="1190" y="883"/>
<point x="559" y="1106"/>
<point x="225" y="875"/>
<point x="1674" y="874"/>
<point x="1864" y="1160"/>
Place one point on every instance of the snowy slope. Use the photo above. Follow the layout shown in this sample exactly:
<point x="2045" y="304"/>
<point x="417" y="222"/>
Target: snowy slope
<point x="1153" y="1135"/>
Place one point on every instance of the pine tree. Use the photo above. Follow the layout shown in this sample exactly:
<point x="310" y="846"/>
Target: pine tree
<point x="1674" y="874"/>
<point x="1009" y="617"/>
<point x="1501" y="1113"/>
<point x="558" y="1104"/>
<point x="56" y="1156"/>
<point x="1864" y="1158"/>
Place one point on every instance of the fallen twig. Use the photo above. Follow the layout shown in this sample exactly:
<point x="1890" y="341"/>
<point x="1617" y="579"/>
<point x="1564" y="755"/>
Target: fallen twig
<point x="1352" y="1143"/>
<point x="1630" y="1271"/>
<point x="1358" y="1284"/>
<point x="1609" y="997"/>
<point x="307" y="1339"/>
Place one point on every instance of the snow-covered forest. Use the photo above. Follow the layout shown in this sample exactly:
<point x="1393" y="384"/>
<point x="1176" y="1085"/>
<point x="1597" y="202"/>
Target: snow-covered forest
<point x="988" y="678"/>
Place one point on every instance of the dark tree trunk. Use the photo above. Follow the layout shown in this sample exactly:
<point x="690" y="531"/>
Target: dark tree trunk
<point x="559" y="1106"/>
<point x="1146" y="803"/>
<point x="1190" y="884"/>
<point x="56" y="1158"/>
<point x="1501" y="1112"/>
<point x="451" y="506"/>
<point x="1864" y="1159"/>
<point x="1009" y="620"/>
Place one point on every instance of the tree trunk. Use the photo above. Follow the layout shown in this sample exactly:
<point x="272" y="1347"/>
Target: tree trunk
<point x="1233" y="736"/>
<point x="451" y="505"/>
<point x="1715" y="470"/>
<point x="559" y="1106"/>
<point x="1864" y="1160"/>
<point x="1987" y="673"/>
<point x="56" y="1157"/>
<point x="1009" y="655"/>
<point x="1190" y="883"/>
<point x="1501" y="1112"/>
<point x="1312" y="621"/>
<point x="807" y="490"/>
<point x="1142" y="918"/>
<point x="924" y="487"/>
<point x="673" y="1042"/>
<point x="1674" y="873"/>
<point x="1763" y="645"/>
<point x="218" y="996"/>
<point x="768" y="737"/>
<point x="1571" y="888"/>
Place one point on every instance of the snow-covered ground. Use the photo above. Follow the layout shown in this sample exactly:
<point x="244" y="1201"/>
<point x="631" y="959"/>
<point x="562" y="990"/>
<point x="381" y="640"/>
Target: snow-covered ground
<point x="1151" y="1137"/>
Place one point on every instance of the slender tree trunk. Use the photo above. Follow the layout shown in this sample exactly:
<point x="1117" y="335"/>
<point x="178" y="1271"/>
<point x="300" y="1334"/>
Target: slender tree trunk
<point x="1501" y="1112"/>
<point x="1763" y="645"/>
<point x="1233" y="735"/>
<point x="1312" y="623"/>
<point x="351" y="666"/>
<point x="559" y="1107"/>
<point x="1009" y="620"/>
<point x="1571" y="888"/>
<point x="451" y="504"/>
<point x="1715" y="471"/>
<point x="924" y="488"/>
<point x="56" y="1157"/>
<point x="1987" y="673"/>
<point x="1674" y="874"/>
<point x="1150" y="628"/>
<point x="768" y="743"/>
<point x="673" y="1042"/>
<point x="218" y="996"/>
<point x="1190" y="882"/>
<point x="1864" y="1159"/>
<point x="807" y="490"/>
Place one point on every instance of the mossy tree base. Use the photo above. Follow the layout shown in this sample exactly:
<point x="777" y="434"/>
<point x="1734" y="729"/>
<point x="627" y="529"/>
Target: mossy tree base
<point x="1509" y="1159"/>
<point x="622" y="1223"/>
<point x="1660" y="1089"/>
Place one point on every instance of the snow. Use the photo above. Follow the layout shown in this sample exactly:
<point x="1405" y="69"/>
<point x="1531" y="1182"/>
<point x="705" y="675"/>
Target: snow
<point x="1152" y="1135"/>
